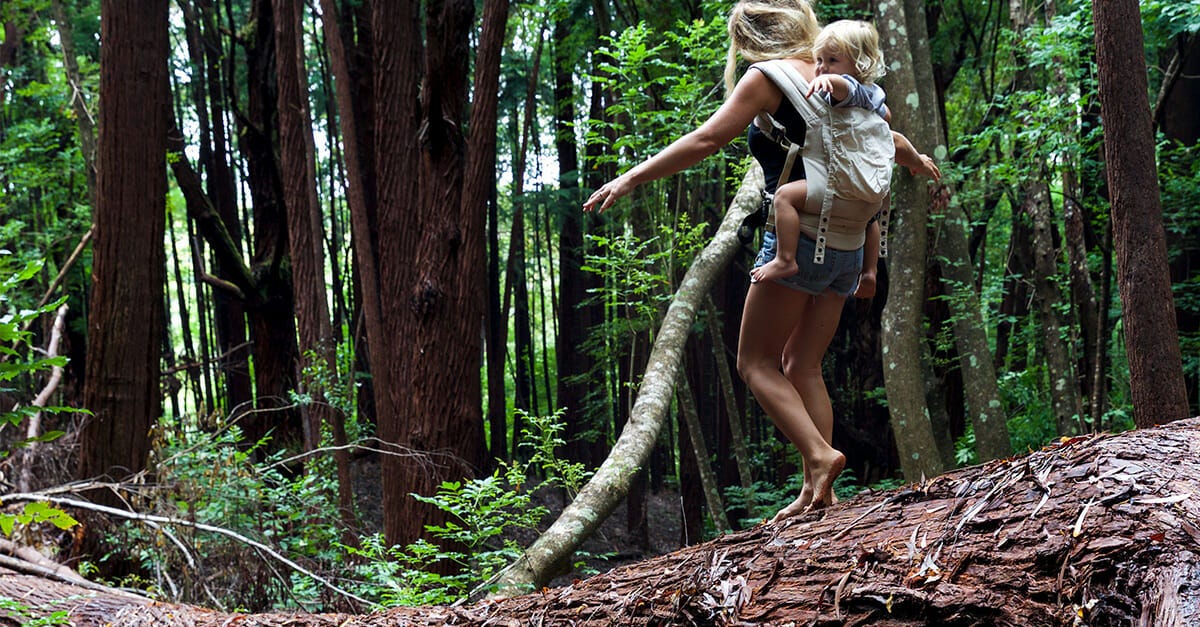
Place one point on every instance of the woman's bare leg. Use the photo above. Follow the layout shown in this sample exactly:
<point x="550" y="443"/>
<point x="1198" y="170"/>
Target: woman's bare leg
<point x="802" y="357"/>
<point x="772" y="315"/>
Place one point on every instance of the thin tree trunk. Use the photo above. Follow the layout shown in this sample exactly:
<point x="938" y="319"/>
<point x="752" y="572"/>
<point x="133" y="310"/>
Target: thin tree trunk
<point x="980" y="389"/>
<point x="479" y="191"/>
<point x="1083" y="294"/>
<point x="272" y="320"/>
<point x="600" y="496"/>
<point x="725" y="378"/>
<point x="1151" y="336"/>
<point x="708" y="480"/>
<point x="83" y="115"/>
<point x="1060" y="366"/>
<point x="297" y="154"/>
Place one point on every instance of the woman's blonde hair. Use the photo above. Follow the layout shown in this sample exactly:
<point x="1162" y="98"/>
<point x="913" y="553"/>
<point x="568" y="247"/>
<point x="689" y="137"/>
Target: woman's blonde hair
<point x="769" y="29"/>
<point x="858" y="41"/>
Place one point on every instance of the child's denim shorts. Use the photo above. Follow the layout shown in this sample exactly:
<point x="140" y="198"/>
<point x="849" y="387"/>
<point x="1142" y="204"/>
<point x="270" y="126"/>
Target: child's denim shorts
<point x="839" y="272"/>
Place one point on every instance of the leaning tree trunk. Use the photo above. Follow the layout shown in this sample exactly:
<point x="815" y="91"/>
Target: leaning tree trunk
<point x="600" y="496"/>
<point x="1151" y="335"/>
<point x="1099" y="531"/>
<point x="980" y="388"/>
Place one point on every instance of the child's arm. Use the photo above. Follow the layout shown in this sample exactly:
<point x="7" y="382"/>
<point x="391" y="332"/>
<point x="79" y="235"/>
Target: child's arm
<point x="917" y="163"/>
<point x="835" y="85"/>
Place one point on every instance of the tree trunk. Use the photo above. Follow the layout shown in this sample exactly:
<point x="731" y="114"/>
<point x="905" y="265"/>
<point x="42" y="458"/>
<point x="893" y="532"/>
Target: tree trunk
<point x="1151" y="336"/>
<point x="1056" y="347"/>
<point x="479" y="185"/>
<point x="574" y="319"/>
<point x="708" y="480"/>
<point x="597" y="499"/>
<point x="125" y="317"/>
<point x="1095" y="531"/>
<point x="230" y="312"/>
<point x="902" y="316"/>
<point x="83" y="116"/>
<point x="430" y="280"/>
<point x="271" y="319"/>
<point x="980" y="389"/>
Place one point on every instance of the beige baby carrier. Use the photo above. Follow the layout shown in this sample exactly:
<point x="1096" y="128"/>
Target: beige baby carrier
<point x="848" y="152"/>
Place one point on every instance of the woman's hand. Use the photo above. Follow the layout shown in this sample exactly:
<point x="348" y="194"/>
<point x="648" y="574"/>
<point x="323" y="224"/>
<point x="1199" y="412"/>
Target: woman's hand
<point x="608" y="194"/>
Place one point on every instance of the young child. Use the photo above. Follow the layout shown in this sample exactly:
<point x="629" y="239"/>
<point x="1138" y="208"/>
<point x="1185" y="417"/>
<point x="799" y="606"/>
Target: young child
<point x="849" y="61"/>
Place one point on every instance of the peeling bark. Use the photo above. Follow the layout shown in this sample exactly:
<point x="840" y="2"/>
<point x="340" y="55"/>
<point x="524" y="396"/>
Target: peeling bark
<point x="1100" y="529"/>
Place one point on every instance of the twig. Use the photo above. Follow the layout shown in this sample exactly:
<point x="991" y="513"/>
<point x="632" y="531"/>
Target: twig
<point x="25" y="482"/>
<point x="65" y="268"/>
<point x="24" y="566"/>
<point x="56" y="500"/>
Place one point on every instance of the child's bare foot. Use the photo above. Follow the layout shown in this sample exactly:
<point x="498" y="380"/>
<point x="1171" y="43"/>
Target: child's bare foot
<point x="774" y="269"/>
<point x="866" y="286"/>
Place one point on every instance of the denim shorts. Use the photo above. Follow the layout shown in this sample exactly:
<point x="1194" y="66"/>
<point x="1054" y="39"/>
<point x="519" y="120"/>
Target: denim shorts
<point x="839" y="273"/>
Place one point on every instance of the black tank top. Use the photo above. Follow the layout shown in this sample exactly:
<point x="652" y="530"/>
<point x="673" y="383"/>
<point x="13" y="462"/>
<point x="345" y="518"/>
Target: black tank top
<point x="770" y="154"/>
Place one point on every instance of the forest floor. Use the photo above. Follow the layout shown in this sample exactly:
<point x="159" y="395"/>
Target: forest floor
<point x="611" y="546"/>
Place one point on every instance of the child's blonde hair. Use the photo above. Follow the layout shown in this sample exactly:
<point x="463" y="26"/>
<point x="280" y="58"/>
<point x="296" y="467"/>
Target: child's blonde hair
<point x="857" y="40"/>
<point x="769" y="29"/>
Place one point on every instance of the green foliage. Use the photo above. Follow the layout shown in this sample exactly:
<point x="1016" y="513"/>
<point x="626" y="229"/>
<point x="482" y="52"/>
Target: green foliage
<point x="17" y="364"/>
<point x="208" y="474"/>
<point x="483" y="514"/>
<point x="12" y="609"/>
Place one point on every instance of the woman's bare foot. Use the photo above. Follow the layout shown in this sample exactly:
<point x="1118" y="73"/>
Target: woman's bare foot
<point x="797" y="507"/>
<point x="866" y="285"/>
<point x="774" y="269"/>
<point x="823" y="476"/>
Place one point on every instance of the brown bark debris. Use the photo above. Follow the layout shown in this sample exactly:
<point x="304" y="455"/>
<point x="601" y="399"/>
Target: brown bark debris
<point x="1098" y="530"/>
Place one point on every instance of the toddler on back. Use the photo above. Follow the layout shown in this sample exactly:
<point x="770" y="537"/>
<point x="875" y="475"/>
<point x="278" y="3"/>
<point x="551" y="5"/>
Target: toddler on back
<point x="849" y="61"/>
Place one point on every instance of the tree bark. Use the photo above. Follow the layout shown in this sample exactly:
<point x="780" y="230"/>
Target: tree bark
<point x="980" y="389"/>
<point x="1056" y="347"/>
<point x="597" y="499"/>
<point x="1151" y="336"/>
<point x="430" y="280"/>
<point x="125" y="317"/>
<point x="902" y="316"/>
<point x="272" y="321"/>
<point x="1099" y="530"/>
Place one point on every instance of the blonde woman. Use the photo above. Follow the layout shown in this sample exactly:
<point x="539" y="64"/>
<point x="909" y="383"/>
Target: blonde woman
<point x="786" y="324"/>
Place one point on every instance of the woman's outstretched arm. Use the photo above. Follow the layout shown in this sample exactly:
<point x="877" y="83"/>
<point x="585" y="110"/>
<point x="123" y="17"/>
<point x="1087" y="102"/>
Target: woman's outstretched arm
<point x="753" y="94"/>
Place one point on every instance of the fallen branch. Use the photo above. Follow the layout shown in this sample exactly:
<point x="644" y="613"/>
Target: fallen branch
<point x="167" y="520"/>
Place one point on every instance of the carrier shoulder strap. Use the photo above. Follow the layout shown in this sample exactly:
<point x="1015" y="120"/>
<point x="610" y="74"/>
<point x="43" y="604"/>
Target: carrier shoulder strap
<point x="817" y="146"/>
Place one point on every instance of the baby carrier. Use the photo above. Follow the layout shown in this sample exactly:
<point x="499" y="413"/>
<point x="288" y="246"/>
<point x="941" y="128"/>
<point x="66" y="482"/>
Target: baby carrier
<point x="847" y="151"/>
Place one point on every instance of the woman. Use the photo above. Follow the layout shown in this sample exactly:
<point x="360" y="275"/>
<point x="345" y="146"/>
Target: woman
<point x="788" y="322"/>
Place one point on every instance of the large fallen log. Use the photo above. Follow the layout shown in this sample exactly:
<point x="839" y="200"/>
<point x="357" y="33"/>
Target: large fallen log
<point x="1099" y="530"/>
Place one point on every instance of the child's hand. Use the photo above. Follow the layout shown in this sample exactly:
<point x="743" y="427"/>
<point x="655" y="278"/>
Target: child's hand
<point x="823" y="84"/>
<point x="927" y="168"/>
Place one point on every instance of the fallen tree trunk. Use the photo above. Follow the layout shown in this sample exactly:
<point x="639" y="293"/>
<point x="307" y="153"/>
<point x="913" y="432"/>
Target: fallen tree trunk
<point x="1100" y="530"/>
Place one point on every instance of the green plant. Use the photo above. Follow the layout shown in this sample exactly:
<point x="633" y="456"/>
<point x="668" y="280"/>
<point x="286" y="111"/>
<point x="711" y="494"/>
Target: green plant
<point x="483" y="513"/>
<point x="18" y="363"/>
<point x="28" y="617"/>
